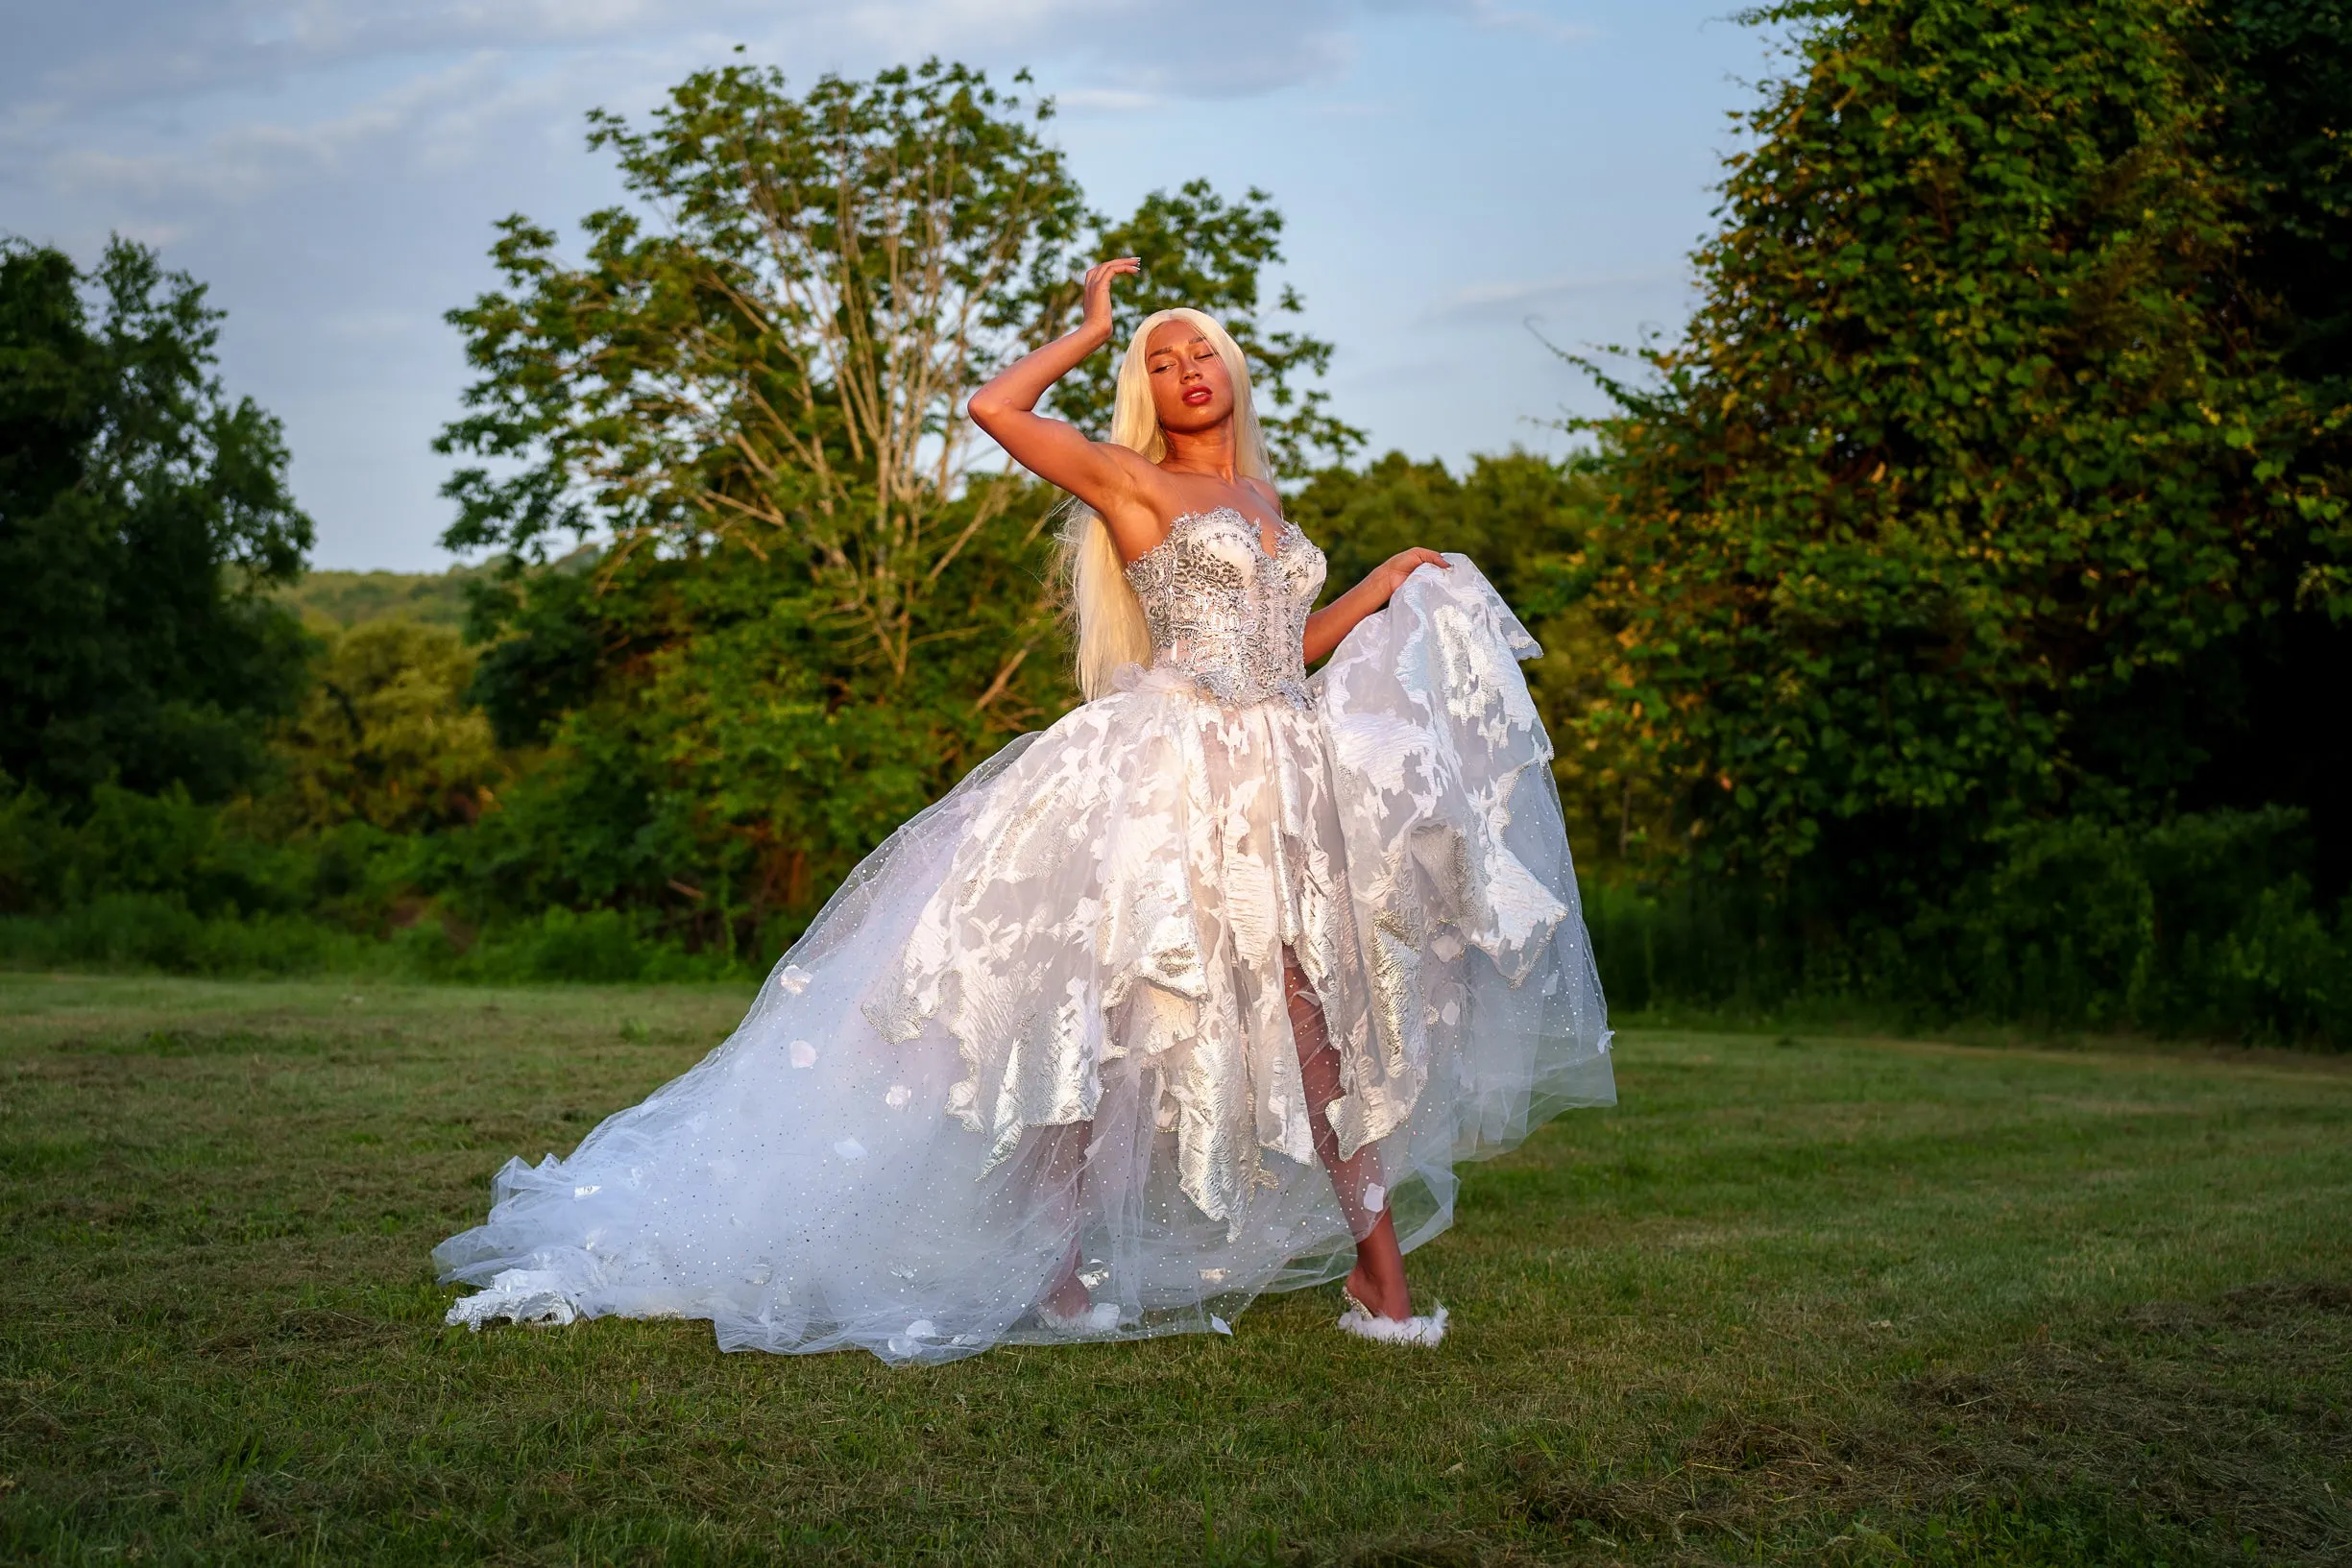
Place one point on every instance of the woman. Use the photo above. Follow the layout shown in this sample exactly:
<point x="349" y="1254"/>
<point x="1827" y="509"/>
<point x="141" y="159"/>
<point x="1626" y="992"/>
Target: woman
<point x="1199" y="993"/>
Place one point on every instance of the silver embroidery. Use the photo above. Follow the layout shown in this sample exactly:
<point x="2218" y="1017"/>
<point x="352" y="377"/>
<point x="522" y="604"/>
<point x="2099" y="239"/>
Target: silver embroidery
<point x="1226" y="615"/>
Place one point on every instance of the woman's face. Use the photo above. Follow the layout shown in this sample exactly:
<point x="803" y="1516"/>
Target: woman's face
<point x="1191" y="389"/>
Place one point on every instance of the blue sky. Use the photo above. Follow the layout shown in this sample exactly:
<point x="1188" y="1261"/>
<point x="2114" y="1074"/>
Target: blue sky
<point x="1451" y="170"/>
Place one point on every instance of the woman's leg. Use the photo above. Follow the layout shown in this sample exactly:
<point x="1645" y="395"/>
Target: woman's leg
<point x="1378" y="1280"/>
<point x="1063" y="1169"/>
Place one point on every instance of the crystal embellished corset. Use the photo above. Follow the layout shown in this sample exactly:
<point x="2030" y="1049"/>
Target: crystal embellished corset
<point x="1226" y="613"/>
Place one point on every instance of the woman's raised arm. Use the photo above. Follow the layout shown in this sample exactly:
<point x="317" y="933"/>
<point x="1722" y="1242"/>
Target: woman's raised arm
<point x="1104" y="476"/>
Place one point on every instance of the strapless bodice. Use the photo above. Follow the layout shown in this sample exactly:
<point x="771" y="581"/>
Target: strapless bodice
<point x="1223" y="612"/>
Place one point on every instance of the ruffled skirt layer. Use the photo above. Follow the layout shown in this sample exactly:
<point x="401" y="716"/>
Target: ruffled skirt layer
<point x="1052" y="1010"/>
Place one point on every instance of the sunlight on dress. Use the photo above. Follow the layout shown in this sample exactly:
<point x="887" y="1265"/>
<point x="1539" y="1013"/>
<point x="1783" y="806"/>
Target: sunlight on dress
<point x="1198" y="982"/>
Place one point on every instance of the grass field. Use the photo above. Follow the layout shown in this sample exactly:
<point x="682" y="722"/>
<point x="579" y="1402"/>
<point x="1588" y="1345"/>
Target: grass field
<point x="1829" y="1299"/>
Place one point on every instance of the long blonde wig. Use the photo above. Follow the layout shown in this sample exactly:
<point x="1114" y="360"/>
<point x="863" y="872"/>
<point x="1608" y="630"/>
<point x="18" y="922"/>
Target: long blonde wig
<point x="1110" y="624"/>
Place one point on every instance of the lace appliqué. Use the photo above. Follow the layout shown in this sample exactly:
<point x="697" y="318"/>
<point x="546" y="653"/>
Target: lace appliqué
<point x="1126" y="891"/>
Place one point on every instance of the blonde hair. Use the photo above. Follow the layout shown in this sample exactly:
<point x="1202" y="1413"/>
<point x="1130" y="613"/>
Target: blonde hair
<point x="1110" y="624"/>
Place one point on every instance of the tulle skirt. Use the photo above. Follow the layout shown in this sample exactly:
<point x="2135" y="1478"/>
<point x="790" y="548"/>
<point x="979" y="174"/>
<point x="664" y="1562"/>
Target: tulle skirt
<point x="1187" y="994"/>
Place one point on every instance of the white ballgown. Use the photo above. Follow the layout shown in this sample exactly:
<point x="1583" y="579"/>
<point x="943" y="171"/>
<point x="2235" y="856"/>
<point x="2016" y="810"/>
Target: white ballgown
<point x="1198" y="983"/>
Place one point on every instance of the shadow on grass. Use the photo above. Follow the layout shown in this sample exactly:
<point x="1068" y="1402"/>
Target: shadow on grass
<point x="2176" y="1432"/>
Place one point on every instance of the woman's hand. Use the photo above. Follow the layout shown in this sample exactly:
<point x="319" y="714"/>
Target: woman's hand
<point x="1336" y="619"/>
<point x="1390" y="575"/>
<point x="1099" y="277"/>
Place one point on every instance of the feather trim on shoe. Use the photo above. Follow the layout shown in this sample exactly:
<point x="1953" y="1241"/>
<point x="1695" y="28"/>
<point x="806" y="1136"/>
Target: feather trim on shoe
<point x="1393" y="1330"/>
<point x="527" y="1295"/>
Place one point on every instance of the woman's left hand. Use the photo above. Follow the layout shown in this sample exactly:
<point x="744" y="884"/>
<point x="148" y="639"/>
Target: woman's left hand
<point x="1334" y="620"/>
<point x="1391" y="574"/>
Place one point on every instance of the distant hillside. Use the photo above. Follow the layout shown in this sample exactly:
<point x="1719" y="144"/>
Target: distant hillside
<point x="430" y="598"/>
<point x="345" y="598"/>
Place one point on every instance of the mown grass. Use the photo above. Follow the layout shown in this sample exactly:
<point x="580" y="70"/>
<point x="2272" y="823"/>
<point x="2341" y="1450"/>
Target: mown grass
<point x="1830" y="1299"/>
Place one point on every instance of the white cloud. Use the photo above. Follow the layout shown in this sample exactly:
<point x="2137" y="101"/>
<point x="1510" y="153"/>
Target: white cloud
<point x="138" y="51"/>
<point x="422" y="117"/>
<point x="1108" y="101"/>
<point x="74" y="58"/>
<point x="1487" y="14"/>
<point x="163" y="107"/>
<point x="162" y="103"/>
<point x="1515" y="301"/>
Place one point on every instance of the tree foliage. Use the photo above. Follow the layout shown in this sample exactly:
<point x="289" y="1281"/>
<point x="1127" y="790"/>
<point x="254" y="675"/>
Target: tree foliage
<point x="809" y="612"/>
<point x="2286" y="130"/>
<point x="144" y="515"/>
<point x="1976" y="467"/>
<point x="385" y="735"/>
<point x="2283" y="69"/>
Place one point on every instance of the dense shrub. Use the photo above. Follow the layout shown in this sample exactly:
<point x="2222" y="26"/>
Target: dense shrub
<point x="149" y="931"/>
<point x="386" y="736"/>
<point x="2201" y="925"/>
<point x="143" y="881"/>
<point x="603" y="946"/>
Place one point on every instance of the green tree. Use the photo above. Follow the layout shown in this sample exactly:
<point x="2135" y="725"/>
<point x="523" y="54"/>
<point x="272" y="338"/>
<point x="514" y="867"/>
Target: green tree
<point x="758" y="401"/>
<point x="1969" y="459"/>
<point x="2284" y="70"/>
<point x="144" y="519"/>
<point x="778" y="368"/>
<point x="385" y="735"/>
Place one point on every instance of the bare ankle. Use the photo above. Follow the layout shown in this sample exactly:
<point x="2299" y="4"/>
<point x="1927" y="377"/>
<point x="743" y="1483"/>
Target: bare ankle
<point x="1068" y="1296"/>
<point x="1381" y="1290"/>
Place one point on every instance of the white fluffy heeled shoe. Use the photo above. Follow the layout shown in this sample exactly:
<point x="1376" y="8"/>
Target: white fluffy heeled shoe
<point x="1102" y="1318"/>
<point x="1365" y="1323"/>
